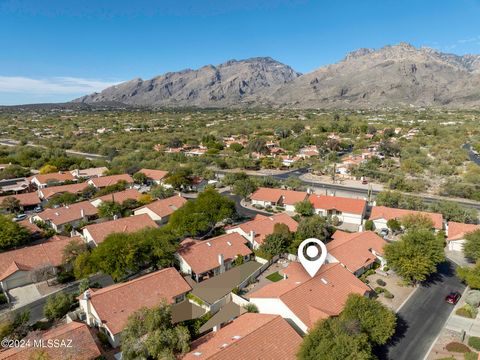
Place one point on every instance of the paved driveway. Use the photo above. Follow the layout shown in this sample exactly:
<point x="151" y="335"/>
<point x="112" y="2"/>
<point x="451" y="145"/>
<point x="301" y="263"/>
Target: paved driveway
<point x="24" y="295"/>
<point x="423" y="316"/>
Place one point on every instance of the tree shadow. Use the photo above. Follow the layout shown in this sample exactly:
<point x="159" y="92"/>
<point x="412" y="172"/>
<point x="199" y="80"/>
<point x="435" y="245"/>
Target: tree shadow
<point x="445" y="269"/>
<point x="382" y="351"/>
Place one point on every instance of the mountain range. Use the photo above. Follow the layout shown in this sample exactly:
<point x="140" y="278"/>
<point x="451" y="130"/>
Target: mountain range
<point x="394" y="76"/>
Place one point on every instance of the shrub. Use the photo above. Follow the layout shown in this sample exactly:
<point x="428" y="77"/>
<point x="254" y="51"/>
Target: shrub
<point x="103" y="339"/>
<point x="467" y="311"/>
<point x="3" y="299"/>
<point x="473" y="298"/>
<point x="195" y="299"/>
<point x="457" y="347"/>
<point x="65" y="277"/>
<point x="335" y="220"/>
<point x="474" y="342"/>
<point x="58" y="306"/>
<point x="471" y="356"/>
<point x="381" y="282"/>
<point x="379" y="290"/>
<point x="388" y="294"/>
<point x="251" y="308"/>
<point x="386" y="268"/>
<point x="369" y="225"/>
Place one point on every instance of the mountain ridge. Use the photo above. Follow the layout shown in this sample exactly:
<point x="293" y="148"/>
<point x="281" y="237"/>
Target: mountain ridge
<point x="394" y="75"/>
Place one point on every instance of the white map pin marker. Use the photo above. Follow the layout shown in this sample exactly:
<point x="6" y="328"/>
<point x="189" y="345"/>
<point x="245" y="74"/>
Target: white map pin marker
<point x="312" y="254"/>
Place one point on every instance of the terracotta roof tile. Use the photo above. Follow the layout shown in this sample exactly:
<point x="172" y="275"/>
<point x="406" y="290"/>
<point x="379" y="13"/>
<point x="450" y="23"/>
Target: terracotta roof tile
<point x="154" y="174"/>
<point x="84" y="345"/>
<point x="263" y="225"/>
<point x="250" y="336"/>
<point x="354" y="249"/>
<point x="26" y="199"/>
<point x="457" y="231"/>
<point x="114" y="304"/>
<point x="123" y="225"/>
<point x="203" y="256"/>
<point x="343" y="204"/>
<point x="312" y="299"/>
<point x="165" y="207"/>
<point x="121" y="196"/>
<point x="289" y="197"/>
<point x="35" y="256"/>
<point x="105" y="181"/>
<point x="70" y="188"/>
<point x="69" y="213"/>
<point x="387" y="213"/>
<point x="54" y="177"/>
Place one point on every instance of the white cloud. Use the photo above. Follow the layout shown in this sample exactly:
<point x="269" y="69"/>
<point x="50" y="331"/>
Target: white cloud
<point x="52" y="86"/>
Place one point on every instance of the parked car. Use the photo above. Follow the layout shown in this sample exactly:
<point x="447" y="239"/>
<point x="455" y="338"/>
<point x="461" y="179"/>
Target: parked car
<point x="20" y="217"/>
<point x="38" y="209"/>
<point x="384" y="232"/>
<point x="453" y="297"/>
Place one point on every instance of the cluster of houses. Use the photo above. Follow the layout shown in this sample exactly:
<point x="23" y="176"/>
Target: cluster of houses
<point x="212" y="273"/>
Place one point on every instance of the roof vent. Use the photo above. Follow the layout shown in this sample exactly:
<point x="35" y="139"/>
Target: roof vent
<point x="229" y="243"/>
<point x="197" y="353"/>
<point x="224" y="345"/>
<point x="236" y="337"/>
<point x="208" y="244"/>
<point x="57" y="214"/>
<point x="324" y="281"/>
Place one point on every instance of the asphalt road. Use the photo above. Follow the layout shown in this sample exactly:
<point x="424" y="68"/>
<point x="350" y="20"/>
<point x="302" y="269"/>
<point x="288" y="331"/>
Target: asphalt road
<point x="423" y="316"/>
<point x="249" y="213"/>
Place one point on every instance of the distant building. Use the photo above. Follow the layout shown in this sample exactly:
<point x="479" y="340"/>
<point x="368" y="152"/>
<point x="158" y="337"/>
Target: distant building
<point x="348" y="210"/>
<point x="74" y="215"/>
<point x="381" y="214"/>
<point x="160" y="210"/>
<point x="278" y="197"/>
<point x="41" y="181"/>
<point x="456" y="233"/>
<point x="105" y="181"/>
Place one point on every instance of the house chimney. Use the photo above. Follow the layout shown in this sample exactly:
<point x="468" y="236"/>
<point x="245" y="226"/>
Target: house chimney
<point x="251" y="236"/>
<point x="86" y="295"/>
<point x="220" y="260"/>
<point x="216" y="327"/>
<point x="82" y="213"/>
<point x="115" y="217"/>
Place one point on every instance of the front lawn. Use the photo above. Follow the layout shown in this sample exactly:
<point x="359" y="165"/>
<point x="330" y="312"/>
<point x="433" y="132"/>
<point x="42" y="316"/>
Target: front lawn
<point x="274" y="277"/>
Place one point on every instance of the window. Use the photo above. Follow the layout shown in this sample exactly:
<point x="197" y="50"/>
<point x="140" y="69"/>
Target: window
<point x="179" y="298"/>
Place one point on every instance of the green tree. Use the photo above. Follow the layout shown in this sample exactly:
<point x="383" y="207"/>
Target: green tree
<point x="311" y="227"/>
<point x="140" y="178"/>
<point x="257" y="145"/>
<point x="471" y="248"/>
<point x="11" y="234"/>
<point x="149" y="333"/>
<point x="452" y="211"/>
<point x="278" y="242"/>
<point x="335" y="339"/>
<point x="244" y="187"/>
<point x="416" y="255"/>
<point x="202" y="214"/>
<point x="108" y="209"/>
<point x="416" y="221"/>
<point x="369" y="225"/>
<point x="394" y="225"/>
<point x="48" y="169"/>
<point x="470" y="275"/>
<point x="377" y="321"/>
<point x="304" y="208"/>
<point x="10" y="204"/>
<point x="58" y="306"/>
<point x="62" y="199"/>
<point x="73" y="249"/>
<point x="161" y="192"/>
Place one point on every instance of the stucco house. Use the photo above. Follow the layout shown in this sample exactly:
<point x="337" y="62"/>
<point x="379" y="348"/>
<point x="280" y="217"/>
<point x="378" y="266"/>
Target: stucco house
<point x="381" y="214"/>
<point x="348" y="210"/>
<point x="160" y="210"/>
<point x="456" y="234"/>
<point x="278" y="197"/>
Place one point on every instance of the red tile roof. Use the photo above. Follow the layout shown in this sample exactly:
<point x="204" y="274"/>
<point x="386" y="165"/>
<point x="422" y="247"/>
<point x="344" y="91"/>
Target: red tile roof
<point x="383" y="212"/>
<point x="30" y="226"/>
<point x="263" y="225"/>
<point x="123" y="225"/>
<point x="26" y="199"/>
<point x="69" y="213"/>
<point x="71" y="188"/>
<point x="105" y="181"/>
<point x="121" y="196"/>
<point x="154" y="174"/>
<point x="54" y="177"/>
<point x="114" y="304"/>
<point x="35" y="256"/>
<point x="83" y="344"/>
<point x="343" y="204"/>
<point x="250" y="336"/>
<point x="203" y="256"/>
<point x="354" y="249"/>
<point x="165" y="207"/>
<point x="457" y="231"/>
<point x="312" y="299"/>
<point x="288" y="197"/>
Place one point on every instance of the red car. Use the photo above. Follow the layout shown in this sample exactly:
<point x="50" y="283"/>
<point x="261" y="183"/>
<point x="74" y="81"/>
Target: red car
<point x="453" y="297"/>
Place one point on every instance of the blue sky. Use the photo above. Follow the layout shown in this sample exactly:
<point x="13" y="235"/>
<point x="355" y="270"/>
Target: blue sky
<point x="56" y="50"/>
